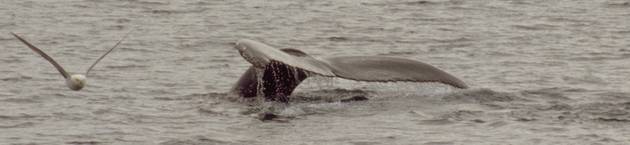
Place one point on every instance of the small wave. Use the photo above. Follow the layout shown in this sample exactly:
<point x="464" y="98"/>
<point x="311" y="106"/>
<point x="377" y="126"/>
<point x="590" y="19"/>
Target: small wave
<point x="614" y="96"/>
<point x="619" y="5"/>
<point x="600" y="56"/>
<point x="430" y="3"/>
<point x="570" y="20"/>
<point x="19" y="125"/>
<point x="603" y="112"/>
<point x="12" y="60"/>
<point x="552" y="94"/>
<point x="155" y="3"/>
<point x="192" y="96"/>
<point x="327" y="95"/>
<point x="195" y="141"/>
<point x="457" y="40"/>
<point x="419" y="3"/>
<point x="338" y="38"/>
<point x="442" y="121"/>
<point x="16" y="117"/>
<point x="169" y="12"/>
<point x="398" y="53"/>
<point x="623" y="32"/>
<point x="293" y="110"/>
<point x="481" y="96"/>
<point x="448" y="46"/>
<point x="16" y="78"/>
<point x="310" y="109"/>
<point x="134" y="59"/>
<point x="131" y="66"/>
<point x="85" y="142"/>
<point x="536" y="27"/>
<point x="307" y="103"/>
<point x="461" y="115"/>
<point x="585" y="79"/>
<point x="131" y="49"/>
<point x="10" y="79"/>
<point x="19" y="100"/>
<point x="606" y="112"/>
<point x="439" y="143"/>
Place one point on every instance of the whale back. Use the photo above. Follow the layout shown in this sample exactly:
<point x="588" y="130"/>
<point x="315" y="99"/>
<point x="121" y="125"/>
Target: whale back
<point x="389" y="69"/>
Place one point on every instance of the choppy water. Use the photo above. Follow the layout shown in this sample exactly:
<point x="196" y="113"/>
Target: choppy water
<point x="542" y="72"/>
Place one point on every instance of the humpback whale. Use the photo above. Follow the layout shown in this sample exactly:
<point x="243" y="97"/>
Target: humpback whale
<point x="275" y="73"/>
<point x="75" y="82"/>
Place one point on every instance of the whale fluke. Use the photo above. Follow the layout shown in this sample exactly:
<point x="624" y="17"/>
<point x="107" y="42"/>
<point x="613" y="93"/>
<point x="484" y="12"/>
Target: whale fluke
<point x="260" y="55"/>
<point x="389" y="69"/>
<point x="284" y="69"/>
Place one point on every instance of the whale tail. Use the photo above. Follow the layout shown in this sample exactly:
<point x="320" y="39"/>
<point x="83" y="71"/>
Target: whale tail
<point x="284" y="69"/>
<point x="389" y="69"/>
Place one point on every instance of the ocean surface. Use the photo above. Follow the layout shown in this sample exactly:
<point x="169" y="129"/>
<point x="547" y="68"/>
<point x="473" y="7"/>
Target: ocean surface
<point x="540" y="71"/>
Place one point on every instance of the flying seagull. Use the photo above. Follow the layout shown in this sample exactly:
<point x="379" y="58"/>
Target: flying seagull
<point x="73" y="81"/>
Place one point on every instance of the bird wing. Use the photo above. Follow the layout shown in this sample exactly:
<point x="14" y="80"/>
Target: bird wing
<point x="108" y="51"/>
<point x="40" y="52"/>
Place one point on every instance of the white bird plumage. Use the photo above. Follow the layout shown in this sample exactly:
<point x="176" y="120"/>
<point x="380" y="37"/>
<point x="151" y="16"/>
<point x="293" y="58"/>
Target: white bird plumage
<point x="75" y="81"/>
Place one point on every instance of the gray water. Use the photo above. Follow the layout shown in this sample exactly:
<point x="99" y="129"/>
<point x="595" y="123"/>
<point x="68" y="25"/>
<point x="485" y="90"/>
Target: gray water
<point x="541" y="72"/>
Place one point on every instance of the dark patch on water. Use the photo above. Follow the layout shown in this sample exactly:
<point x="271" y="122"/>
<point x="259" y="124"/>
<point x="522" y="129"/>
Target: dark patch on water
<point x="271" y="117"/>
<point x="398" y="53"/>
<point x="523" y="115"/>
<point x="577" y="113"/>
<point x="435" y="122"/>
<point x="354" y="99"/>
<point x="15" y="79"/>
<point x="461" y="114"/>
<point x="548" y="94"/>
<point x="338" y="38"/>
<point x="20" y="100"/>
<point x="84" y="142"/>
<point x="439" y="143"/>
<point x="170" y="12"/>
<point x="619" y="5"/>
<point x="456" y="40"/>
<point x="139" y="50"/>
<point x="130" y="66"/>
<point x="267" y="116"/>
<point x="19" y="125"/>
<point x="192" y="96"/>
<point x="556" y="106"/>
<point x="614" y="96"/>
<point x="328" y="95"/>
<point x="417" y="3"/>
<point x="198" y="140"/>
<point x="447" y="47"/>
<point x="535" y="27"/>
<point x="610" y="119"/>
<point x="17" y="117"/>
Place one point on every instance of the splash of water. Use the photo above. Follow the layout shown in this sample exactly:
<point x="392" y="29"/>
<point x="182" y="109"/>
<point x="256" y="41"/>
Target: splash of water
<point x="260" y="96"/>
